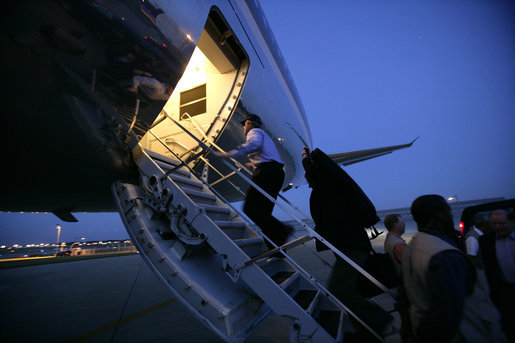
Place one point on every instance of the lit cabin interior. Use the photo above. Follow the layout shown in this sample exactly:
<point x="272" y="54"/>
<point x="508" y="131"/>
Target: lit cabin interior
<point x="205" y="97"/>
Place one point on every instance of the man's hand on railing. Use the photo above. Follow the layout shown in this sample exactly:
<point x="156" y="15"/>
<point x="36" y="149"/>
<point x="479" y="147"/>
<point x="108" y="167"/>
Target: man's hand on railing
<point x="221" y="154"/>
<point x="305" y="152"/>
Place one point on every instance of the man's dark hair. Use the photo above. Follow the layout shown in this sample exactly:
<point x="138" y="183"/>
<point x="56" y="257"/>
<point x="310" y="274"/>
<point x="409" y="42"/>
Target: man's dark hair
<point x="390" y="220"/>
<point x="510" y="216"/>
<point x="256" y="124"/>
<point x="433" y="212"/>
<point x="480" y="220"/>
<point x="254" y="119"/>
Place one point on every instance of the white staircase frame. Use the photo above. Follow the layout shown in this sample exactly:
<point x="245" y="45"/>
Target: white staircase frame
<point x="241" y="266"/>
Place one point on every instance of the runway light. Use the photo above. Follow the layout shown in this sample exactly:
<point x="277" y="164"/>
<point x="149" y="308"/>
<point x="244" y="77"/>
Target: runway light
<point x="453" y="198"/>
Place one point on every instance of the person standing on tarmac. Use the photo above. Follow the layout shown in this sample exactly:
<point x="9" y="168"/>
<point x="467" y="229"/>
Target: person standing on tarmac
<point x="440" y="300"/>
<point x="481" y="226"/>
<point x="498" y="251"/>
<point x="394" y="244"/>
<point x="268" y="174"/>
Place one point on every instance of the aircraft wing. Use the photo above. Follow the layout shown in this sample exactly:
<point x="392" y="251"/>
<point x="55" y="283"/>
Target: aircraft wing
<point x="351" y="157"/>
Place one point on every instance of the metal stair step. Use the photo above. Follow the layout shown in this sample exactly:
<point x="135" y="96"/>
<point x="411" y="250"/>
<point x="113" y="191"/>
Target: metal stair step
<point x="305" y="297"/>
<point x="216" y="213"/>
<point x="200" y="197"/>
<point x="233" y="229"/>
<point x="251" y="246"/>
<point x="158" y="157"/>
<point x="330" y="321"/>
<point x="288" y="306"/>
<point x="166" y="167"/>
<point x="282" y="277"/>
<point x="315" y="303"/>
<point x="279" y="270"/>
<point x="186" y="182"/>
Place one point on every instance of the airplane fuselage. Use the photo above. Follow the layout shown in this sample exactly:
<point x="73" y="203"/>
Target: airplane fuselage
<point x="73" y="112"/>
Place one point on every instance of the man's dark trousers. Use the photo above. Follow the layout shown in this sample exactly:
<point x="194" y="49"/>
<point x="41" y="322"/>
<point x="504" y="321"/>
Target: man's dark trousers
<point x="270" y="177"/>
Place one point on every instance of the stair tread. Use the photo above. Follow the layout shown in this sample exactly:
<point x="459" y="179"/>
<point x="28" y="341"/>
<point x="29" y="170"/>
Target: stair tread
<point x="304" y="297"/>
<point x="200" y="194"/>
<point x="215" y="208"/>
<point x="162" y="158"/>
<point x="166" y="167"/>
<point x="230" y="224"/>
<point x="241" y="242"/>
<point x="330" y="321"/>
<point x="186" y="181"/>
<point x="281" y="277"/>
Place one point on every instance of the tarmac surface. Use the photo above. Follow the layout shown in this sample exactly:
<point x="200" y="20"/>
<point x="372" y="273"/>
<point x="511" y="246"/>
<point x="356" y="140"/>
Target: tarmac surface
<point x="119" y="299"/>
<point x="114" y="299"/>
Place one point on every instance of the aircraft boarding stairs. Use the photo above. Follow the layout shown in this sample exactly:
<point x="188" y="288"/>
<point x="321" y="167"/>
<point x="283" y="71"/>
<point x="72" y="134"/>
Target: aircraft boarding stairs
<point x="215" y="263"/>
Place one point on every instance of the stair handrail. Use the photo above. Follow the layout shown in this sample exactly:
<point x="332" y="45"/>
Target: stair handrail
<point x="298" y="267"/>
<point x="313" y="233"/>
<point x="264" y="193"/>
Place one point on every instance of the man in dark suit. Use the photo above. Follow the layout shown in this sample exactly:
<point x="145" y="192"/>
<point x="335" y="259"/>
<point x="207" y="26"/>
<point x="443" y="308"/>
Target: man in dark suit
<point x="498" y="250"/>
<point x="336" y="221"/>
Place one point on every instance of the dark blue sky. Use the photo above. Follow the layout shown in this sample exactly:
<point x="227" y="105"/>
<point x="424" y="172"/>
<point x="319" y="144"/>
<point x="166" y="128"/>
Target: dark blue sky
<point x="377" y="73"/>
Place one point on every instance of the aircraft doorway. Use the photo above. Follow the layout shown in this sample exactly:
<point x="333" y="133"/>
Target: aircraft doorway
<point x="206" y="95"/>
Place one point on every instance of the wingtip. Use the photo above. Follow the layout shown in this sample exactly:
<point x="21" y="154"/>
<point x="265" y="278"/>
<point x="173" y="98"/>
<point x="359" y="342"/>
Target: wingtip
<point x="413" y="141"/>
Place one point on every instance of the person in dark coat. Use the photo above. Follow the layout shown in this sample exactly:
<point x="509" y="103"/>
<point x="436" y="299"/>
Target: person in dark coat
<point x="498" y="250"/>
<point x="335" y="222"/>
<point x="441" y="299"/>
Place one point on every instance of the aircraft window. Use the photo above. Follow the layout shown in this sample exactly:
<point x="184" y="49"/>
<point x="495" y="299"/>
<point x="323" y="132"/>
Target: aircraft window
<point x="193" y="101"/>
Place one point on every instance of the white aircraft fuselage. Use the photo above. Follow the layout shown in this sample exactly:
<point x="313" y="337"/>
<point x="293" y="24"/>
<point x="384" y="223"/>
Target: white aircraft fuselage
<point x="85" y="80"/>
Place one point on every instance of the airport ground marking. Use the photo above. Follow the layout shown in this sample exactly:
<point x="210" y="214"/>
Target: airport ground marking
<point x="119" y="322"/>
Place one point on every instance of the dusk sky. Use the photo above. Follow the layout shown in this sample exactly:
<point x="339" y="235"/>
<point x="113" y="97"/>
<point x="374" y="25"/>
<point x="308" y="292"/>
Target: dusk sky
<point x="381" y="73"/>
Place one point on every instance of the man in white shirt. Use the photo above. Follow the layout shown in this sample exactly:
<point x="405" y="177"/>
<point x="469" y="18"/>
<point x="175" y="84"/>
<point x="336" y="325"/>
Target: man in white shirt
<point x="394" y="244"/>
<point x="481" y="226"/>
<point x="268" y="174"/>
